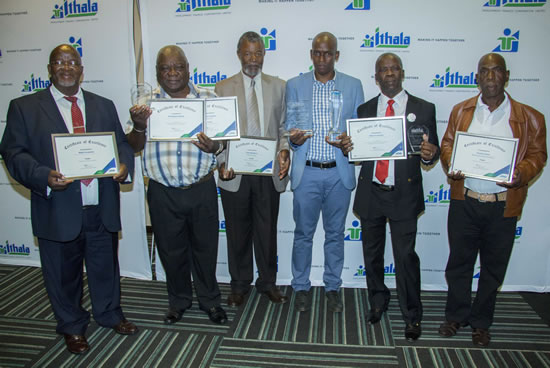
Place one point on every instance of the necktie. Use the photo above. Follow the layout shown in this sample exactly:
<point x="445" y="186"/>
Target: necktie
<point x="253" y="113"/>
<point x="78" y="124"/>
<point x="381" y="172"/>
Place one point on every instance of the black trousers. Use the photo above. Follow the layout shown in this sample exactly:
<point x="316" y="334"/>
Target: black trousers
<point x="62" y="269"/>
<point x="407" y="263"/>
<point x="475" y="227"/>
<point x="185" y="224"/>
<point x="251" y="227"/>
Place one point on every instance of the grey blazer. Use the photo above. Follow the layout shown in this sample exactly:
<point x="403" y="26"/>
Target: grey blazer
<point x="273" y="91"/>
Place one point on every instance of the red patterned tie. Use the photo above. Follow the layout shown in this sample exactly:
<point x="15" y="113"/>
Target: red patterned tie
<point x="381" y="172"/>
<point x="78" y="125"/>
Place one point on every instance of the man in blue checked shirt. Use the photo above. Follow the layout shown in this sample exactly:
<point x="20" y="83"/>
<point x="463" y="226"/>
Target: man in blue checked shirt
<point x="182" y="197"/>
<point x="321" y="178"/>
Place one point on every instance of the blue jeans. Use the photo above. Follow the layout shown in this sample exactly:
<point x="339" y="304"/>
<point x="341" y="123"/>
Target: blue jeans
<point x="320" y="191"/>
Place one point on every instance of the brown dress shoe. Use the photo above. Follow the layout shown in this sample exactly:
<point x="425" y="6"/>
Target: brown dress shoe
<point x="235" y="299"/>
<point x="481" y="337"/>
<point x="125" y="327"/>
<point x="276" y="296"/>
<point x="76" y="344"/>
<point x="449" y="328"/>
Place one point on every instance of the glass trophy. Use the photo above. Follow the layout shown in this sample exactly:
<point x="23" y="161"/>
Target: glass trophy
<point x="336" y="104"/>
<point x="415" y="134"/>
<point x="297" y="117"/>
<point x="141" y="94"/>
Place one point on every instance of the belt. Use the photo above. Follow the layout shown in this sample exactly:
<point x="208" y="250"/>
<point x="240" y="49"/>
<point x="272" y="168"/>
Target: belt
<point x="386" y="188"/>
<point x="200" y="181"/>
<point x="321" y="165"/>
<point x="485" y="197"/>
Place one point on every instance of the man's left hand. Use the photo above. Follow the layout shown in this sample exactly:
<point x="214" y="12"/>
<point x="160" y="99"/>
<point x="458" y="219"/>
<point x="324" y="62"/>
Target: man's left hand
<point x="206" y="144"/>
<point x="122" y="173"/>
<point x="516" y="180"/>
<point x="427" y="149"/>
<point x="284" y="163"/>
<point x="343" y="142"/>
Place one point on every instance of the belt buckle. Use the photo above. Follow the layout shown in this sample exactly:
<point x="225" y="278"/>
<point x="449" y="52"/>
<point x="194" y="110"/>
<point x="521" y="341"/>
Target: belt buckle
<point x="479" y="198"/>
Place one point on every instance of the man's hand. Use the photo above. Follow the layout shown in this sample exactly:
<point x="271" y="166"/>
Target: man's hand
<point x="284" y="163"/>
<point x="516" y="180"/>
<point x="427" y="150"/>
<point x="56" y="181"/>
<point x="225" y="174"/>
<point x="343" y="142"/>
<point x="206" y="144"/>
<point x="122" y="173"/>
<point x="298" y="137"/>
<point x="139" y="115"/>
<point x="456" y="175"/>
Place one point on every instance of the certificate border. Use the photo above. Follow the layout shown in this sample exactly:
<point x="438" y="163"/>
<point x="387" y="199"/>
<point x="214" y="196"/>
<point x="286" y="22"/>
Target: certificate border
<point x="351" y="157"/>
<point x="115" y="148"/>
<point x="458" y="134"/>
<point x="236" y="104"/>
<point x="258" y="139"/>
<point x="177" y="100"/>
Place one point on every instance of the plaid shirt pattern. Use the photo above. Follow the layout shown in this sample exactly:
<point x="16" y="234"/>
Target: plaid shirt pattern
<point x="319" y="150"/>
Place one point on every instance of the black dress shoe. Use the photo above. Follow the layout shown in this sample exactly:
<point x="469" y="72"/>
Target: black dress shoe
<point x="449" y="328"/>
<point x="413" y="331"/>
<point x="276" y="296"/>
<point x="235" y="299"/>
<point x="481" y="337"/>
<point x="76" y="344"/>
<point x="216" y="315"/>
<point x="375" y="315"/>
<point x="125" y="327"/>
<point x="302" y="303"/>
<point x="173" y="315"/>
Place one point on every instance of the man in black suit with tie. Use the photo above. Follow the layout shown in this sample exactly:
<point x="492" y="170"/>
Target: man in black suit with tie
<point x="392" y="190"/>
<point x="74" y="220"/>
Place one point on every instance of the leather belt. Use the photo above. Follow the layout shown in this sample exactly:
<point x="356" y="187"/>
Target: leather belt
<point x="200" y="181"/>
<point x="486" y="197"/>
<point x="386" y="188"/>
<point x="321" y="165"/>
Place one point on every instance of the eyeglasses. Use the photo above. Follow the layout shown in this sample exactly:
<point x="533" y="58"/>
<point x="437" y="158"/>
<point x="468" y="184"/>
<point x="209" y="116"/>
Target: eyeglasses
<point x="69" y="63"/>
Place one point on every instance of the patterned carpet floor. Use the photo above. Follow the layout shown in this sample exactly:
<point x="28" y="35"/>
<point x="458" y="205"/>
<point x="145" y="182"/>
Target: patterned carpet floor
<point x="260" y="334"/>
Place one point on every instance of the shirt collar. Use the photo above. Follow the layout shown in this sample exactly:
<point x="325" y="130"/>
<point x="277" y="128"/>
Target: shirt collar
<point x="58" y="95"/>
<point x="331" y="80"/>
<point x="247" y="79"/>
<point x="504" y="104"/>
<point x="399" y="98"/>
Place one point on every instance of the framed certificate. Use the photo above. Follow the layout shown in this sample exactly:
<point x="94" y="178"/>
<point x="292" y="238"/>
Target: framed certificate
<point x="381" y="138"/>
<point x="85" y="155"/>
<point x="222" y="118"/>
<point x="176" y="119"/>
<point x="484" y="157"/>
<point x="252" y="156"/>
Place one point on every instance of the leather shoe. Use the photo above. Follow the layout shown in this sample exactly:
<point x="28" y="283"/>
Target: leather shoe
<point x="173" y="315"/>
<point x="334" y="304"/>
<point x="125" y="327"/>
<point x="449" y="328"/>
<point x="413" y="331"/>
<point x="235" y="299"/>
<point x="481" y="337"/>
<point x="375" y="315"/>
<point x="276" y="296"/>
<point x="216" y="315"/>
<point x="76" y="344"/>
<point x="302" y="302"/>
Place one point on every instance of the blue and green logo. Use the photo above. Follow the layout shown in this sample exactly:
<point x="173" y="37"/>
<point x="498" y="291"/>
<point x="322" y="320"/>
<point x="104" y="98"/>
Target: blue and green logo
<point x="77" y="44"/>
<point x="207" y="80"/>
<point x="450" y="79"/>
<point x="440" y="195"/>
<point x="509" y="42"/>
<point x="519" y="232"/>
<point x="386" y="40"/>
<point x="187" y="6"/>
<point x="514" y="3"/>
<point x="74" y="9"/>
<point x="354" y="233"/>
<point x="359" y="5"/>
<point x="14" y="250"/>
<point x="221" y="229"/>
<point x="34" y="84"/>
<point x="270" y="40"/>
<point x="361" y="272"/>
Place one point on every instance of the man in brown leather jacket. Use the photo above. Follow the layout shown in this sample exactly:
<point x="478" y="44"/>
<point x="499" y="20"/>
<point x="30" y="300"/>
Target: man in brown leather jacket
<point x="483" y="214"/>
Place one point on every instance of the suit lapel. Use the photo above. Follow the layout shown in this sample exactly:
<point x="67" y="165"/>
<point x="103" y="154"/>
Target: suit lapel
<point x="47" y="103"/>
<point x="92" y="124"/>
<point x="238" y="90"/>
<point x="267" y="97"/>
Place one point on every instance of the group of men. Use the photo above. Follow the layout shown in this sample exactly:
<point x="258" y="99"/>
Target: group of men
<point x="76" y="220"/>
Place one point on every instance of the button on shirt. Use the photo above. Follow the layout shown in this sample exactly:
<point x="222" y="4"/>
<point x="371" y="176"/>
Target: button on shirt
<point x="496" y="123"/>
<point x="258" y="88"/>
<point x="399" y="107"/>
<point x="319" y="150"/>
<point x="177" y="163"/>
<point x="90" y="192"/>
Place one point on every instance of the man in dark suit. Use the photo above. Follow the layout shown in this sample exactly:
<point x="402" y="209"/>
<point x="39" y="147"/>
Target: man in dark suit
<point x="251" y="202"/>
<point x="74" y="220"/>
<point x="392" y="190"/>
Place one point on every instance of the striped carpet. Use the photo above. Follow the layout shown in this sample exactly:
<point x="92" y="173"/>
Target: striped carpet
<point x="260" y="334"/>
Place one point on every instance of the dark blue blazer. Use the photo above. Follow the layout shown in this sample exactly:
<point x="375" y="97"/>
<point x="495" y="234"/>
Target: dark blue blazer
<point x="409" y="196"/>
<point x="26" y="148"/>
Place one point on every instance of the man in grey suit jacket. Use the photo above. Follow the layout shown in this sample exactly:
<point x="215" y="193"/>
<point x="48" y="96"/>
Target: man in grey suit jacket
<point x="250" y="202"/>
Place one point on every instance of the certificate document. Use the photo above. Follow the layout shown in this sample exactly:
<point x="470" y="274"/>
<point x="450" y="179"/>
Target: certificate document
<point x="222" y="118"/>
<point x="254" y="156"/>
<point x="484" y="157"/>
<point x="176" y="119"/>
<point x="380" y="138"/>
<point x="86" y="155"/>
